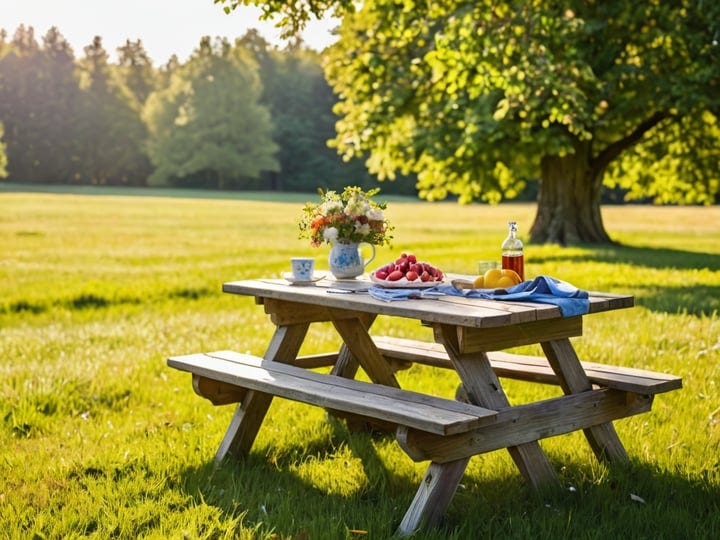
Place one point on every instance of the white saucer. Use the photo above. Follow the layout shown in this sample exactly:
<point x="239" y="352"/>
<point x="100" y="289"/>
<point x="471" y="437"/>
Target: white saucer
<point x="288" y="276"/>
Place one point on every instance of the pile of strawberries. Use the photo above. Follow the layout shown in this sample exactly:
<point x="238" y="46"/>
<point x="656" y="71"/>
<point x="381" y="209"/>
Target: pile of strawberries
<point x="407" y="266"/>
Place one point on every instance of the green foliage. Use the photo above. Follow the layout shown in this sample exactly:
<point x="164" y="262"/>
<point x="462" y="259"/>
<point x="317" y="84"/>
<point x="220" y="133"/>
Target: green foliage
<point x="109" y="118"/>
<point x="188" y="121"/>
<point x="99" y="438"/>
<point x="79" y="121"/>
<point x="136" y="69"/>
<point x="471" y="96"/>
<point x="38" y="101"/>
<point x="72" y="123"/>
<point x="294" y="14"/>
<point x="300" y="102"/>
<point x="678" y="164"/>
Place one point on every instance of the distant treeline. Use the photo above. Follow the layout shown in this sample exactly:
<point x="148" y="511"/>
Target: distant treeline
<point x="240" y="115"/>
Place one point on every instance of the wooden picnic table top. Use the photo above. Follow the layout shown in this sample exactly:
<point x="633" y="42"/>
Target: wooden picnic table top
<point x="455" y="310"/>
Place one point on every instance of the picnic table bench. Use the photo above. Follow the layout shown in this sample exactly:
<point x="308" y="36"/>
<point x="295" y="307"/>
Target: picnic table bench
<point x="470" y="335"/>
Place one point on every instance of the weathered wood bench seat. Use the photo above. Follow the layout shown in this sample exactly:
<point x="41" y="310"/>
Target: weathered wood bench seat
<point x="533" y="368"/>
<point x="401" y="352"/>
<point x="224" y="376"/>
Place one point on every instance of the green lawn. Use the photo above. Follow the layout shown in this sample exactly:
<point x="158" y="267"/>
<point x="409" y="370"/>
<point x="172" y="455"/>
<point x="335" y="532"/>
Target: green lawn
<point x="99" y="438"/>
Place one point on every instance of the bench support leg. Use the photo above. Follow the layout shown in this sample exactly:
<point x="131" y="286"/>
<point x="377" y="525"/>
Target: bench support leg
<point x="346" y="364"/>
<point x="603" y="438"/>
<point x="354" y="333"/>
<point x="244" y="426"/>
<point x="250" y="414"/>
<point x="436" y="490"/>
<point x="483" y="388"/>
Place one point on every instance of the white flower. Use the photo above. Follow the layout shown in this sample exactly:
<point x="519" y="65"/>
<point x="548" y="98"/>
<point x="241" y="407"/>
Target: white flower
<point x="375" y="215"/>
<point x="330" y="207"/>
<point x="330" y="234"/>
<point x="364" y="230"/>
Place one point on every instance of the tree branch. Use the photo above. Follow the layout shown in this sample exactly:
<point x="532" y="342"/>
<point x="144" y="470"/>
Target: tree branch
<point x="612" y="151"/>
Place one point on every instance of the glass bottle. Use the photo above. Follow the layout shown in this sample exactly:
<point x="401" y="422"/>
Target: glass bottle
<point x="512" y="251"/>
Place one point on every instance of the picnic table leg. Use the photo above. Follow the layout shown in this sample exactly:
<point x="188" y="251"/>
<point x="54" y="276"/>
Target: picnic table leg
<point x="250" y="414"/>
<point x="354" y="333"/>
<point x="436" y="490"/>
<point x="603" y="438"/>
<point x="346" y="364"/>
<point x="483" y="388"/>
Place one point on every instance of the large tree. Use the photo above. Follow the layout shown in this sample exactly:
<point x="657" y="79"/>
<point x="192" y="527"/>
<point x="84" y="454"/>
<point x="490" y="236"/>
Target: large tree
<point x="300" y="102"/>
<point x="207" y="127"/>
<point x="479" y="96"/>
<point x="136" y="70"/>
<point x="111" y="134"/>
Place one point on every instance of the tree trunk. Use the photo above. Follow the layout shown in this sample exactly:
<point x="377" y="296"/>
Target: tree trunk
<point x="568" y="209"/>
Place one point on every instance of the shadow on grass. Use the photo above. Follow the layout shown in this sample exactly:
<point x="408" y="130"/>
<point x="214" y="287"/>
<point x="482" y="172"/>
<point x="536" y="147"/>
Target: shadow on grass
<point x="693" y="299"/>
<point x="643" y="257"/>
<point x="630" y="501"/>
<point x="272" y="498"/>
<point x="93" y="300"/>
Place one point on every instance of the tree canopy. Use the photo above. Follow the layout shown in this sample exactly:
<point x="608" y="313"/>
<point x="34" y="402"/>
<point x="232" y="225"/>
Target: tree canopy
<point x="80" y="121"/>
<point x="189" y="136"/>
<point x="477" y="97"/>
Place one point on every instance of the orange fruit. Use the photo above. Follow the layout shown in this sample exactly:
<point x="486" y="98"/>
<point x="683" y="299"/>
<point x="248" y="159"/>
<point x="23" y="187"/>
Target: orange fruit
<point x="513" y="275"/>
<point x="491" y="277"/>
<point x="505" y="282"/>
<point x="497" y="278"/>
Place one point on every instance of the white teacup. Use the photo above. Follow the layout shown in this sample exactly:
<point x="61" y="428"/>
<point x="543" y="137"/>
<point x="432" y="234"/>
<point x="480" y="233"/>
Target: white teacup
<point x="303" y="268"/>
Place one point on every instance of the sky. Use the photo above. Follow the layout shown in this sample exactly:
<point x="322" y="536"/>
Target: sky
<point x="165" y="27"/>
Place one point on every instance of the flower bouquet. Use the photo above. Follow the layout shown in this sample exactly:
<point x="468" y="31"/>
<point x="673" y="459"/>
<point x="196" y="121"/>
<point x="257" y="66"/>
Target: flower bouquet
<point x="346" y="220"/>
<point x="350" y="217"/>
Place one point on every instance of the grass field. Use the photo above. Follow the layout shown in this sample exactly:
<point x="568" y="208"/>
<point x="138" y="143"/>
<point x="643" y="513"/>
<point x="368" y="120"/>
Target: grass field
<point x="98" y="438"/>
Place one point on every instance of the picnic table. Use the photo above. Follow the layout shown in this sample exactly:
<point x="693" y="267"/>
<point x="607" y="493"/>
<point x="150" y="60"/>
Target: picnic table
<point x="469" y="337"/>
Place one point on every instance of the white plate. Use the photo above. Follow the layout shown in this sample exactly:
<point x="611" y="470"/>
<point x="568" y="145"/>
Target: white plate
<point x="403" y="283"/>
<point x="288" y="276"/>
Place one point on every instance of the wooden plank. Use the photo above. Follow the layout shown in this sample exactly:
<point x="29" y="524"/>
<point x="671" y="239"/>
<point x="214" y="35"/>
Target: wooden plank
<point x="346" y="364"/>
<point x="563" y="359"/>
<point x="284" y="313"/>
<point x="314" y="361"/>
<point x="493" y="339"/>
<point x="356" y="338"/>
<point x="286" y="343"/>
<point x="479" y="314"/>
<point x="436" y="490"/>
<point x="218" y="392"/>
<point x="532" y="368"/>
<point x="526" y="423"/>
<point x="600" y="301"/>
<point x="423" y="412"/>
<point x="351" y="384"/>
<point x="483" y="388"/>
<point x="244" y="426"/>
<point x="493" y="312"/>
<point x="249" y="415"/>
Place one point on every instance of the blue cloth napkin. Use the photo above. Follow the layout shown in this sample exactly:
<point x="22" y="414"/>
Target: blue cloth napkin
<point x="388" y="295"/>
<point x="543" y="289"/>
